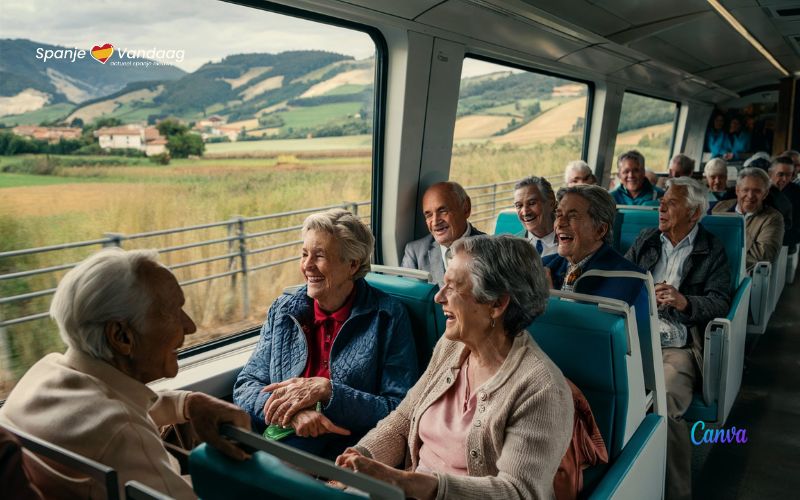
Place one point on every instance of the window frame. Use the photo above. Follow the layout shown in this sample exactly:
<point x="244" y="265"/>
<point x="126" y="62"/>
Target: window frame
<point x="378" y="135"/>
<point x="675" y="119"/>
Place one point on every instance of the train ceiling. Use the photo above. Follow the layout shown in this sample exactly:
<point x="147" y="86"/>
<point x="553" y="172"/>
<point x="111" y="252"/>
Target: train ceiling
<point x="682" y="45"/>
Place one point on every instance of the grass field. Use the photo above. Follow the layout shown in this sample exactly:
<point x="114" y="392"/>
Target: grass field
<point x="312" y="116"/>
<point x="45" y="114"/>
<point x="292" y="145"/>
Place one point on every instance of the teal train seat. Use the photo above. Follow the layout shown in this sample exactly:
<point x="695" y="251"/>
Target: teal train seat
<point x="646" y="327"/>
<point x="593" y="342"/>
<point x="724" y="338"/>
<point x="411" y="287"/>
<point x="629" y="222"/>
<point x="274" y="471"/>
<point x="263" y="476"/>
<point x="508" y="223"/>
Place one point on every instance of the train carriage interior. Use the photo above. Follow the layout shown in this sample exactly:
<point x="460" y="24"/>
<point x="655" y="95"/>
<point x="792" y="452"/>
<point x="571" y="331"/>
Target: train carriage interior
<point x="298" y="106"/>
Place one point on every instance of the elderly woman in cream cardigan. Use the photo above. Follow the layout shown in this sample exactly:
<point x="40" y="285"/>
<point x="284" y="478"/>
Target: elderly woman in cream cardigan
<point x="492" y="416"/>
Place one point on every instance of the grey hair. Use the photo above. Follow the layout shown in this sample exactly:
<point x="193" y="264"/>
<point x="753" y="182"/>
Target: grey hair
<point x="685" y="163"/>
<point x="542" y="184"/>
<point x="632" y="155"/>
<point x="506" y="265"/>
<point x="696" y="193"/>
<point x="578" y="165"/>
<point x="602" y="207"/>
<point x="716" y="166"/>
<point x="104" y="287"/>
<point x="754" y="172"/>
<point x="355" y="239"/>
<point x="785" y="160"/>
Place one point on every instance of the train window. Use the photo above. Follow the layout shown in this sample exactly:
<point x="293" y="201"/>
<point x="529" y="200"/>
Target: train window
<point x="206" y="130"/>
<point x="647" y="124"/>
<point x="512" y="123"/>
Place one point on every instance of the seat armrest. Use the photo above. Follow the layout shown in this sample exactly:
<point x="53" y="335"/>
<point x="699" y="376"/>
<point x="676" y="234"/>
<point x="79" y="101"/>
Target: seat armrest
<point x="759" y="295"/>
<point x="723" y="354"/>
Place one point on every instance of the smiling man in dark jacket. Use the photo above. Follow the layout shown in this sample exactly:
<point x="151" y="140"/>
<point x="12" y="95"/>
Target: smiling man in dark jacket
<point x="692" y="278"/>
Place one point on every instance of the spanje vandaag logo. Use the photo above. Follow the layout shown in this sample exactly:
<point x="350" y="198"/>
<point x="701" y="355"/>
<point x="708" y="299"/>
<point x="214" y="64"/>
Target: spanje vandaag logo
<point x="114" y="56"/>
<point x="103" y="53"/>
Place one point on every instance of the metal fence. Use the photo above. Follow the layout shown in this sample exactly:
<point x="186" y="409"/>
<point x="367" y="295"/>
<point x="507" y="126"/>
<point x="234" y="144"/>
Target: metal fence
<point x="239" y="244"/>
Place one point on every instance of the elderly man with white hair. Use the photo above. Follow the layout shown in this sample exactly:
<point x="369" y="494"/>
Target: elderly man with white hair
<point x="121" y="315"/>
<point x="716" y="174"/>
<point x="578" y="172"/>
<point x="763" y="225"/>
<point x="692" y="278"/>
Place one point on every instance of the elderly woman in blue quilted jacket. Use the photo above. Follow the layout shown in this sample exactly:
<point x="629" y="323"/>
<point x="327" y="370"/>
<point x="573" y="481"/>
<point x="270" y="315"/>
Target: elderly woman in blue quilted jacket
<point x="335" y="357"/>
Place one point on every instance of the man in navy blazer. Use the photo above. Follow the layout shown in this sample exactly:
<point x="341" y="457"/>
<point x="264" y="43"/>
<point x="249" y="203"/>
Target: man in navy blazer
<point x="584" y="221"/>
<point x="446" y="207"/>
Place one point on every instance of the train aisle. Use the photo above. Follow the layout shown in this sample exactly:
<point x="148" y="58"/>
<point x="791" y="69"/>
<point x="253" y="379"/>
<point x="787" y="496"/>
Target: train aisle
<point x="768" y="407"/>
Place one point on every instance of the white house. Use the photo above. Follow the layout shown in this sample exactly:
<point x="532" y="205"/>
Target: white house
<point x="132" y="136"/>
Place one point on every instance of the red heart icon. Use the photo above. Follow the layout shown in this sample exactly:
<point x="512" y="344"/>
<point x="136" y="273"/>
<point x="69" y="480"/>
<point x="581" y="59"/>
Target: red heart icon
<point x="102" y="53"/>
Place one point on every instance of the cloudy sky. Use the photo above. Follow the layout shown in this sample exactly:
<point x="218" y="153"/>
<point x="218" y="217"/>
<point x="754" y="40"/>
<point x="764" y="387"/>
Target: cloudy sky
<point x="207" y="30"/>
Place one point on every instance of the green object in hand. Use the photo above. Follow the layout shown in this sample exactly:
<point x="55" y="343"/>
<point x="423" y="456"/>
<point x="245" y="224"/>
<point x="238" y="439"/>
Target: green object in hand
<point x="276" y="432"/>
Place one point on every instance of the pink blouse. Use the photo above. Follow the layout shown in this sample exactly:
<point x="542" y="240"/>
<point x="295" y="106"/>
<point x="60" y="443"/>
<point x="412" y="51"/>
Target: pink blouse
<point x="444" y="426"/>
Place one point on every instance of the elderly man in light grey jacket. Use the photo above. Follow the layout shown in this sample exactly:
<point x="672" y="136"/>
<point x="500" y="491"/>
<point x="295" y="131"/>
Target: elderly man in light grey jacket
<point x="446" y="208"/>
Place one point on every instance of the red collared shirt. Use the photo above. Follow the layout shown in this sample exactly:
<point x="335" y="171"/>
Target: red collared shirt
<point x="320" y="337"/>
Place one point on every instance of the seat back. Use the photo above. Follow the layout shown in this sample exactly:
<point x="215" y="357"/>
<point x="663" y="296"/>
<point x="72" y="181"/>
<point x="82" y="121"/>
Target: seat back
<point x="729" y="229"/>
<point x="629" y="222"/>
<point x="427" y="318"/>
<point x="591" y="341"/>
<point x="215" y="476"/>
<point x="646" y="327"/>
<point x="508" y="223"/>
<point x="274" y="471"/>
<point x="41" y="454"/>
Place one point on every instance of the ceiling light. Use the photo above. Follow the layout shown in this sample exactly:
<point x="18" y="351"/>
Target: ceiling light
<point x="746" y="34"/>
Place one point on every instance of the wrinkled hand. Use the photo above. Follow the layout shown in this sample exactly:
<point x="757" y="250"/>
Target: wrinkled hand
<point x="310" y="423"/>
<point x="670" y="296"/>
<point x="414" y="484"/>
<point x="207" y="414"/>
<point x="294" y="395"/>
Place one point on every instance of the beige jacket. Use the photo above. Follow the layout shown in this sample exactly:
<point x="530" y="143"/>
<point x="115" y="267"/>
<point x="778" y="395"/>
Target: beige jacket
<point x="763" y="230"/>
<point x="89" y="407"/>
<point x="521" y="429"/>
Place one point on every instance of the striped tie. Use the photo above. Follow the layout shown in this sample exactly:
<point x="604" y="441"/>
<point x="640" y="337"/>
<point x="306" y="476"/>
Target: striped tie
<point x="572" y="277"/>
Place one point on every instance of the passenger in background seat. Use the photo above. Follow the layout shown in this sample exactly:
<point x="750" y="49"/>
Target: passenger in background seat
<point x="446" y="207"/>
<point x="692" y="276"/>
<point x="336" y="356"/>
<point x="716" y="174"/>
<point x="584" y="222"/>
<point x="492" y="416"/>
<point x="681" y="166"/>
<point x="775" y="197"/>
<point x="578" y="172"/>
<point x="535" y="204"/>
<point x="121" y="315"/>
<point x="634" y="188"/>
<point x="795" y="156"/>
<point x="763" y="224"/>
<point x="781" y="173"/>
